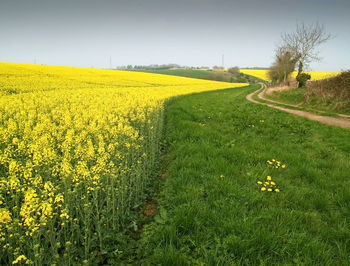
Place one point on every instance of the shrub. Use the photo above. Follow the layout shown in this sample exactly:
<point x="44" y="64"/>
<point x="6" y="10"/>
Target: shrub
<point x="302" y="78"/>
<point x="334" y="90"/>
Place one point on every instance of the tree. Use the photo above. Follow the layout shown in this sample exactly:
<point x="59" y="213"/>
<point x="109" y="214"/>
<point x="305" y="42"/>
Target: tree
<point x="233" y="70"/>
<point x="303" y="42"/>
<point x="283" y="65"/>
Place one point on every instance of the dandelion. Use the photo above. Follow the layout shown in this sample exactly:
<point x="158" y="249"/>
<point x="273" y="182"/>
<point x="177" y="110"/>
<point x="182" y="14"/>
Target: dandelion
<point x="263" y="188"/>
<point x="277" y="190"/>
<point x="268" y="178"/>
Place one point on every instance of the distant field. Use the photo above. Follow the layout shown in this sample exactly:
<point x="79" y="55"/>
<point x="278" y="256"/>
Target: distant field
<point x="193" y="73"/>
<point x="216" y="74"/>
<point x="263" y="74"/>
<point x="260" y="73"/>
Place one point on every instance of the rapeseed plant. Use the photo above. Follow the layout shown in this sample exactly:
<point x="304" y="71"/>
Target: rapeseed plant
<point x="77" y="147"/>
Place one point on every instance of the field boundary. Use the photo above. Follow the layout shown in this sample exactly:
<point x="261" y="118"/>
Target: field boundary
<point x="333" y="121"/>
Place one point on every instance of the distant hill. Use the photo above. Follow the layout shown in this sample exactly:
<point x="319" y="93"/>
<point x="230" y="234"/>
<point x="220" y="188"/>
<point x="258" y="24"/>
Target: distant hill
<point x="206" y="74"/>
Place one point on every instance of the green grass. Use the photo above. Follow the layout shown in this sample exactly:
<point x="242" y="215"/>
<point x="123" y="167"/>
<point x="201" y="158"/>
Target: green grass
<point x="206" y="219"/>
<point x="297" y="96"/>
<point x="292" y="96"/>
<point x="285" y="105"/>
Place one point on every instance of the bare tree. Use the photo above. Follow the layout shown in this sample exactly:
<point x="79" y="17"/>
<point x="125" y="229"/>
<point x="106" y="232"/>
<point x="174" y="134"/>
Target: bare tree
<point x="303" y="43"/>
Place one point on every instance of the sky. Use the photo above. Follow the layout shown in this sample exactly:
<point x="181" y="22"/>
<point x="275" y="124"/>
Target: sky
<point x="97" y="33"/>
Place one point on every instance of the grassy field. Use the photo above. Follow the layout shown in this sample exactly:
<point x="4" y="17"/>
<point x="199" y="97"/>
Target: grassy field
<point x="212" y="210"/>
<point x="208" y="74"/>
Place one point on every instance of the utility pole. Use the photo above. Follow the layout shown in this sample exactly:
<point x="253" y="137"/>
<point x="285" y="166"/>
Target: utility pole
<point x="110" y="62"/>
<point x="223" y="64"/>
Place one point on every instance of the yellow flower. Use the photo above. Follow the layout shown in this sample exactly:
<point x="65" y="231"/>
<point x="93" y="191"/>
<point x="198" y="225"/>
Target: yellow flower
<point x="273" y="183"/>
<point x="5" y="217"/>
<point x="19" y="258"/>
<point x="283" y="166"/>
<point x="277" y="190"/>
<point x="259" y="182"/>
<point x="268" y="178"/>
<point x="263" y="188"/>
<point x="269" y="189"/>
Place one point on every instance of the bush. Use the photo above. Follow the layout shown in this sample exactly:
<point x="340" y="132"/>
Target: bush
<point x="302" y="78"/>
<point x="334" y="90"/>
<point x="233" y="70"/>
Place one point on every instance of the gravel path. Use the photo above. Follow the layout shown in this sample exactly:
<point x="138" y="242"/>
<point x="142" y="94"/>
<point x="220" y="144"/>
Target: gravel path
<point x="333" y="121"/>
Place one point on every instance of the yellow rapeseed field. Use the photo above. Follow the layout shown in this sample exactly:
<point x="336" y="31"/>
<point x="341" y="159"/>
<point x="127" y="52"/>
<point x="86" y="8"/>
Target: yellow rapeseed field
<point x="318" y="75"/>
<point x="77" y="147"/>
<point x="263" y="74"/>
<point x="259" y="73"/>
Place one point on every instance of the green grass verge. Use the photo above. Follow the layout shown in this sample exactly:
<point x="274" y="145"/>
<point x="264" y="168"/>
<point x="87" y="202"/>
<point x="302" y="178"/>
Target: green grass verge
<point x="256" y="98"/>
<point x="296" y="96"/>
<point x="211" y="210"/>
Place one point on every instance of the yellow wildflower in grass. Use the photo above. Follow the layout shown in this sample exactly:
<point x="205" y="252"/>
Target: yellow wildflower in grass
<point x="275" y="164"/>
<point x="268" y="184"/>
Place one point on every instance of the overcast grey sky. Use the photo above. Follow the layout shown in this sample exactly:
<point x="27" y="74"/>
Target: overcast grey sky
<point x="187" y="32"/>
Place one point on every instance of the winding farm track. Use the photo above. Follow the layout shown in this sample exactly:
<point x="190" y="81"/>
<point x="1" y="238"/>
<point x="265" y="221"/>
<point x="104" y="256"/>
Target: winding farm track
<point x="333" y="121"/>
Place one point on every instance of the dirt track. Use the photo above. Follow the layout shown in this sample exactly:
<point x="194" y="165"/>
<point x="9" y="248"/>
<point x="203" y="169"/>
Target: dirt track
<point x="333" y="121"/>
